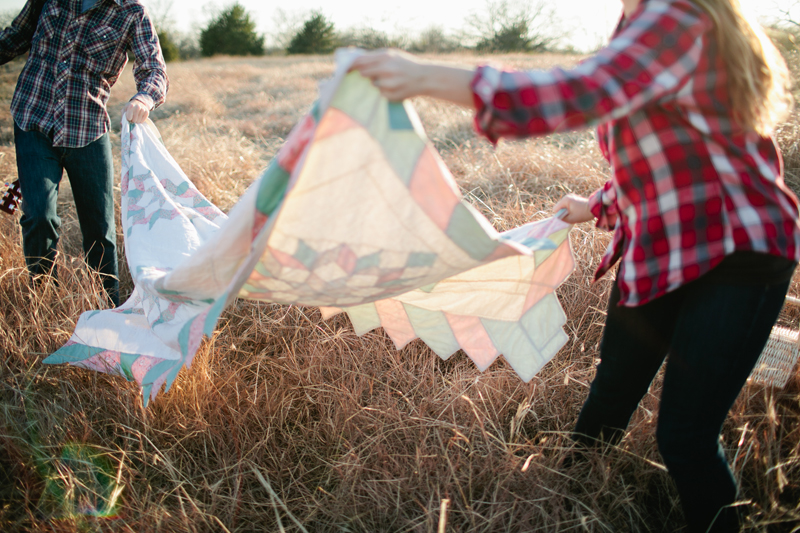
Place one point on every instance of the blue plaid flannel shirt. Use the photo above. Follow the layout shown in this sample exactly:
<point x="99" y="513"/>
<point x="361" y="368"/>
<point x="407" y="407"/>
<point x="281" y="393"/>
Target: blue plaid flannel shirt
<point x="74" y="60"/>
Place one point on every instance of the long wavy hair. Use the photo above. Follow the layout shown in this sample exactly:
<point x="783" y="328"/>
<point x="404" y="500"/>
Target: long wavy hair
<point x="758" y="78"/>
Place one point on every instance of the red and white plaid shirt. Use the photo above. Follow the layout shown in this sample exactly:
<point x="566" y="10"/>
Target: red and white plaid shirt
<point x="690" y="185"/>
<point x="74" y="60"/>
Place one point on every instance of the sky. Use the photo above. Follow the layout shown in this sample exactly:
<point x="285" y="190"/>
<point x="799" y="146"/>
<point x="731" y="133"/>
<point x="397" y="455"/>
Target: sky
<point x="588" y="22"/>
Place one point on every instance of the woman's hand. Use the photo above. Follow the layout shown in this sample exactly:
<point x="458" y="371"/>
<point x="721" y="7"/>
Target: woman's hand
<point x="577" y="209"/>
<point x="399" y="75"/>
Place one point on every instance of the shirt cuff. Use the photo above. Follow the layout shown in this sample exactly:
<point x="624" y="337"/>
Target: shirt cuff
<point x="146" y="99"/>
<point x="602" y="204"/>
<point x="483" y="86"/>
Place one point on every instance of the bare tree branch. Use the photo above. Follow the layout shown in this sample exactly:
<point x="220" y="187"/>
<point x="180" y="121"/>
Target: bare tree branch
<point x="786" y="12"/>
<point x="514" y="25"/>
<point x="161" y="14"/>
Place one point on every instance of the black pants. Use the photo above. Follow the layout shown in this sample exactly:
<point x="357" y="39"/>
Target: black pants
<point x="714" y="333"/>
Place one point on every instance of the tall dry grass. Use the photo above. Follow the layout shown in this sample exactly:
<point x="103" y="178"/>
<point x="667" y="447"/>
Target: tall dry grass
<point x="289" y="423"/>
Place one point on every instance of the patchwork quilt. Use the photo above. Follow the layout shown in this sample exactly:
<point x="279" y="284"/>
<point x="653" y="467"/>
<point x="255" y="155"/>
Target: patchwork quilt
<point x="357" y="214"/>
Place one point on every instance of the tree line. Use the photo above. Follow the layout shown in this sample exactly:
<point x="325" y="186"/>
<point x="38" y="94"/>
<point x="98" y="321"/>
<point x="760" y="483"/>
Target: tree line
<point x="504" y="26"/>
<point x="501" y="26"/>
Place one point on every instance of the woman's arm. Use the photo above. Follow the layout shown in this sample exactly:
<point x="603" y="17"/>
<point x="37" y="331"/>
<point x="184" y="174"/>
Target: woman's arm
<point x="399" y="75"/>
<point x="652" y="56"/>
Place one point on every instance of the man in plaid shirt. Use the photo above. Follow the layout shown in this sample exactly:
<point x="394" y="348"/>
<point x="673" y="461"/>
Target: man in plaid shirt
<point x="78" y="48"/>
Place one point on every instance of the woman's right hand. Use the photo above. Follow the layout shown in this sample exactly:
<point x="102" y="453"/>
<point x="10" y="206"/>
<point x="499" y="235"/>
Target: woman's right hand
<point x="577" y="209"/>
<point x="399" y="75"/>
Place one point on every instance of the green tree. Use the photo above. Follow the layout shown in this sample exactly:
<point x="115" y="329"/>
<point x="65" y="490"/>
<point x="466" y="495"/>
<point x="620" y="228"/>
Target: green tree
<point x="317" y="36"/>
<point x="160" y="13"/>
<point x="232" y="32"/>
<point x="168" y="46"/>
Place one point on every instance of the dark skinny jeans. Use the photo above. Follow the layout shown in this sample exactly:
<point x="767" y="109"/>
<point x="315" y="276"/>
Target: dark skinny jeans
<point x="91" y="175"/>
<point x="714" y="333"/>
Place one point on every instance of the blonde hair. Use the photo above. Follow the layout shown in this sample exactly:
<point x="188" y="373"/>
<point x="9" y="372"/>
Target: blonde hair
<point x="758" y="79"/>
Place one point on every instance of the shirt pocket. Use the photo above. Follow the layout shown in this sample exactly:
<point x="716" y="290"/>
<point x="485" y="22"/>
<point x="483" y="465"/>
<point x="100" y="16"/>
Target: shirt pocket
<point x="100" y="45"/>
<point x="43" y="42"/>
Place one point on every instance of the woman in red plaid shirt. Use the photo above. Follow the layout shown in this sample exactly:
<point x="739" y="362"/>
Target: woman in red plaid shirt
<point x="705" y="231"/>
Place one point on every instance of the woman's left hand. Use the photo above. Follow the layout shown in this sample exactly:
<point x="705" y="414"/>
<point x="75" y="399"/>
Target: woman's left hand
<point x="577" y="209"/>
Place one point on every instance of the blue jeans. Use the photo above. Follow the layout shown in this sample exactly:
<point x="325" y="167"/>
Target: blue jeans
<point x="713" y="333"/>
<point x="91" y="174"/>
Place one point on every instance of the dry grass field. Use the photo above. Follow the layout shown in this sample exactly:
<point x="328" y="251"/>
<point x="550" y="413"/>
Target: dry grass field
<point x="287" y="422"/>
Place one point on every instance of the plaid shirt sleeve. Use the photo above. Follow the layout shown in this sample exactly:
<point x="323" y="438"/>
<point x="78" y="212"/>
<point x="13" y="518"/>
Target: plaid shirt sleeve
<point x="16" y="39"/>
<point x="652" y="56"/>
<point x="149" y="69"/>
<point x="603" y="205"/>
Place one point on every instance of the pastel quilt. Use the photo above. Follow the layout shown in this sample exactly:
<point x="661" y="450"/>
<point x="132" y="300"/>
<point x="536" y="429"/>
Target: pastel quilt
<point x="356" y="214"/>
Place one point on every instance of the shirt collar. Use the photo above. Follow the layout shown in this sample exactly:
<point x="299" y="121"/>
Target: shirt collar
<point x="118" y="2"/>
<point x="624" y="21"/>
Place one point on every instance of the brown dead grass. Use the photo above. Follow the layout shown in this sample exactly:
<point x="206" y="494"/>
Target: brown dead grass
<point x="289" y="423"/>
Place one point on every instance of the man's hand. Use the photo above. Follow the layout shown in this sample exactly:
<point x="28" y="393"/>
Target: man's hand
<point x="135" y="111"/>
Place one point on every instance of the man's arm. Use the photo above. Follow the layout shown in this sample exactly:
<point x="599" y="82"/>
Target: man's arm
<point x="16" y="39"/>
<point x="149" y="71"/>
